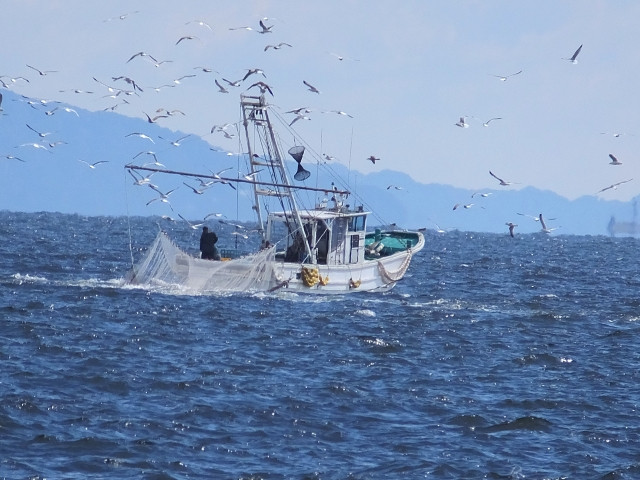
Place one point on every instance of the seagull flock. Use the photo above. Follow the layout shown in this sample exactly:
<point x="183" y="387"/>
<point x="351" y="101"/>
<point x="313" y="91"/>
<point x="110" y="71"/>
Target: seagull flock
<point x="122" y="90"/>
<point x="463" y="122"/>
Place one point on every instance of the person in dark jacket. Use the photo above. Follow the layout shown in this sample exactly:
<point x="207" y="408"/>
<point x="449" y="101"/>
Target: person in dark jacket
<point x="208" y="247"/>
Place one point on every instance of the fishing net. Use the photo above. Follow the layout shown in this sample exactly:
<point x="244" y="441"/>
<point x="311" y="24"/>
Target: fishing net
<point x="168" y="267"/>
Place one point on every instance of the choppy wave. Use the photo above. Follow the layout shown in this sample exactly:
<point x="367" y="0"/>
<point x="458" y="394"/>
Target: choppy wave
<point x="491" y="359"/>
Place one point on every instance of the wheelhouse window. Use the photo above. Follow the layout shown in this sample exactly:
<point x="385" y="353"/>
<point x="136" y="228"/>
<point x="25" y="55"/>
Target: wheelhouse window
<point x="357" y="224"/>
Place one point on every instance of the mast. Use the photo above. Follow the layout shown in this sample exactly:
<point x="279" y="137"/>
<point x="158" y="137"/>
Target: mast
<point x="255" y="112"/>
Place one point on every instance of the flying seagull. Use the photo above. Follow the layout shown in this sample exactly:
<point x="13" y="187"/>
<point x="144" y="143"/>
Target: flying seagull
<point x="94" y="165"/>
<point x="462" y="123"/>
<point x="41" y="72"/>
<point x="278" y="46"/>
<point x="574" y="57"/>
<point x="142" y="54"/>
<point x="373" y="159"/>
<point x="265" y="29"/>
<point x="502" y="182"/>
<point x="164" y="197"/>
<point x="141" y="135"/>
<point x="544" y="226"/>
<point x="221" y="89"/>
<point x="614" y="160"/>
<point x="186" y="37"/>
<point x="311" y="87"/>
<point x="195" y="190"/>
<point x="486" y="124"/>
<point x="201" y="23"/>
<point x="503" y="78"/>
<point x="11" y="157"/>
<point x="175" y="143"/>
<point x="40" y="134"/>
<point x="253" y="71"/>
<point x="614" y="186"/>
<point x="194" y="226"/>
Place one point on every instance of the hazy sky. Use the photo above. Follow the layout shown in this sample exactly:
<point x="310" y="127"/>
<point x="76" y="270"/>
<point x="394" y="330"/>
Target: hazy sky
<point x="405" y="71"/>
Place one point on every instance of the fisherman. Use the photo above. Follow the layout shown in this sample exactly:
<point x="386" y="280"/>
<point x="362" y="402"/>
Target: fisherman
<point x="208" y="247"/>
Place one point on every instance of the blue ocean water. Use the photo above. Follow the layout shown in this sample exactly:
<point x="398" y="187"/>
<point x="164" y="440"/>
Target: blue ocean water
<point x="496" y="358"/>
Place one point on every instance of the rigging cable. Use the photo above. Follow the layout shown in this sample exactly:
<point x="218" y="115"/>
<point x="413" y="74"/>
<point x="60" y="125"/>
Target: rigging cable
<point x="126" y="198"/>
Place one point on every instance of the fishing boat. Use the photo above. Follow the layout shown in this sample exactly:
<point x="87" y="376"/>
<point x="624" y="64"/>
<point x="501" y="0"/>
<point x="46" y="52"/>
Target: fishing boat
<point x="323" y="248"/>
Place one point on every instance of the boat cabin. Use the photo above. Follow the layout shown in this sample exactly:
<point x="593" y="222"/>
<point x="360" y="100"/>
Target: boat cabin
<point x="327" y="237"/>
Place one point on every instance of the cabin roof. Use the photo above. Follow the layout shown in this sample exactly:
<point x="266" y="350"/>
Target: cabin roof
<point x="324" y="214"/>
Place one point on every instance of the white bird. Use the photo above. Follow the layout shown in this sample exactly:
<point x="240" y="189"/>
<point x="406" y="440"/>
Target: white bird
<point x="175" y="143"/>
<point x="265" y="28"/>
<point x="221" y="89"/>
<point x="201" y="23"/>
<point x="483" y="195"/>
<point x="40" y="134"/>
<point x="41" y="72"/>
<point x="141" y="180"/>
<point x="300" y="110"/>
<point x="95" y="164"/>
<point x="197" y="191"/>
<point x="311" y="87"/>
<point x="253" y="71"/>
<point x="299" y="117"/>
<point x="218" y="178"/>
<point x="545" y="229"/>
<point x="503" y="78"/>
<point x="70" y="110"/>
<point x="250" y="176"/>
<point x="278" y="46"/>
<point x="215" y="214"/>
<point x="263" y="87"/>
<point x="11" y="157"/>
<point x="533" y="217"/>
<point x="467" y="206"/>
<point x="177" y="80"/>
<point x="502" y="182"/>
<point x="141" y="135"/>
<point x="462" y="123"/>
<point x="614" y="160"/>
<point x="339" y="112"/>
<point x="187" y="37"/>
<point x="486" y="124"/>
<point x="141" y="54"/>
<point x="164" y="197"/>
<point x="194" y="226"/>
<point x="235" y="83"/>
<point x="574" y="57"/>
<point x="35" y="145"/>
<point x="614" y="186"/>
<point x="148" y="152"/>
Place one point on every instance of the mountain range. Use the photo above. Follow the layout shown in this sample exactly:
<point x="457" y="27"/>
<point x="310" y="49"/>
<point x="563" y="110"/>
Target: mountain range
<point x="46" y="149"/>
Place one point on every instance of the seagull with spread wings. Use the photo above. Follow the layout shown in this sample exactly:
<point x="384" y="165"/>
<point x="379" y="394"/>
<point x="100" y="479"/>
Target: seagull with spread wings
<point x="502" y="182"/>
<point x="614" y="160"/>
<point x="545" y="229"/>
<point x="574" y="57"/>
<point x="504" y="78"/>
<point x="614" y="186"/>
<point x="95" y="164"/>
<point x="311" y="87"/>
